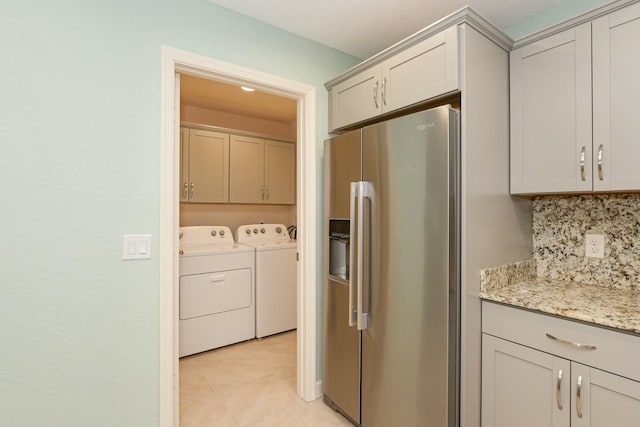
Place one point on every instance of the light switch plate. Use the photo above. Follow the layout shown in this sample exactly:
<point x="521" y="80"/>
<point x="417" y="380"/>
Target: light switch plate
<point x="594" y="245"/>
<point x="136" y="246"/>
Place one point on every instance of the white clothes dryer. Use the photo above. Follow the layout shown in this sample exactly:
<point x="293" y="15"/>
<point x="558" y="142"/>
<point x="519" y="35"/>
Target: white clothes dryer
<point x="276" y="276"/>
<point x="216" y="289"/>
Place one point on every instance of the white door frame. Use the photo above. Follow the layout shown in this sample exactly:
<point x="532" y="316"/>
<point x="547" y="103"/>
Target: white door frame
<point x="173" y="61"/>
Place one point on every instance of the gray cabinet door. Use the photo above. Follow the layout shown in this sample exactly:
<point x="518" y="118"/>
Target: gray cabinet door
<point x="246" y="170"/>
<point x="357" y="98"/>
<point x="523" y="387"/>
<point x="423" y="71"/>
<point x="551" y="114"/>
<point x="208" y="167"/>
<point x="616" y="100"/>
<point x="601" y="399"/>
<point x="279" y="172"/>
<point x="184" y="164"/>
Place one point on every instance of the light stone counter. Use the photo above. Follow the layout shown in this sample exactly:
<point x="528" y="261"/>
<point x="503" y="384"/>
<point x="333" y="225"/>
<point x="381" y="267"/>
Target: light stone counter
<point x="517" y="285"/>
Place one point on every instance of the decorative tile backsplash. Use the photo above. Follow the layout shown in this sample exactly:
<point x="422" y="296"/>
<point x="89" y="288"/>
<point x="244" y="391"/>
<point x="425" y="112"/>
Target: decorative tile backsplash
<point x="559" y="227"/>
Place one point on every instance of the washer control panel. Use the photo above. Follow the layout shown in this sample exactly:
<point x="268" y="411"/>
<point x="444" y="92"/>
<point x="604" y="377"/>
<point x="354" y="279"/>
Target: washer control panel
<point x="205" y="235"/>
<point x="258" y="233"/>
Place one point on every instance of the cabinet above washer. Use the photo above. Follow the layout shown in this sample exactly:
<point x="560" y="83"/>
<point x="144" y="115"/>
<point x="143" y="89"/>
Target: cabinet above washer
<point x="221" y="165"/>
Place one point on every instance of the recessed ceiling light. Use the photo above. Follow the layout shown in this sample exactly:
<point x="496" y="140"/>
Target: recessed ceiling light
<point x="247" y="89"/>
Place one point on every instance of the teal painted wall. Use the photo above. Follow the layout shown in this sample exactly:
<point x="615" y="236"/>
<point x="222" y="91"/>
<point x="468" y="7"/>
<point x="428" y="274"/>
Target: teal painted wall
<point x="566" y="10"/>
<point x="79" y="167"/>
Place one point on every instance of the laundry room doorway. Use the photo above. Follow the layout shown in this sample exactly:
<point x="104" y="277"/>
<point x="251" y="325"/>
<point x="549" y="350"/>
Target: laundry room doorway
<point x="176" y="63"/>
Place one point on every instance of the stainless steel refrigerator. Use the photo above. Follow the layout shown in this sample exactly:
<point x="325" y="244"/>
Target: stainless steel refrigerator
<point x="392" y="275"/>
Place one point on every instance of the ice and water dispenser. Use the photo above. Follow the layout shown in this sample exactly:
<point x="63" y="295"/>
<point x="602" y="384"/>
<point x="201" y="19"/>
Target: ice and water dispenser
<point x="339" y="248"/>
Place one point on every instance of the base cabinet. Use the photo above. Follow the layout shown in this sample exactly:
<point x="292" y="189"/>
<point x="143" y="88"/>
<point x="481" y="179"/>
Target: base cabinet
<point x="605" y="400"/>
<point x="520" y="386"/>
<point x="536" y="374"/>
<point x="529" y="388"/>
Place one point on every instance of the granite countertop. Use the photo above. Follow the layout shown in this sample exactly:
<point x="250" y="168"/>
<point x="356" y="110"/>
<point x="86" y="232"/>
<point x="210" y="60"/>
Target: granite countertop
<point x="516" y="285"/>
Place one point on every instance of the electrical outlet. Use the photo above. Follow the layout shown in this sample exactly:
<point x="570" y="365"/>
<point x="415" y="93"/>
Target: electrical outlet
<point x="594" y="245"/>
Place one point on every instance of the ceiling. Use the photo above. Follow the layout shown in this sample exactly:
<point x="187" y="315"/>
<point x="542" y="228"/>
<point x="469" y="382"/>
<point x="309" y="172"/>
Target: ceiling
<point x="364" y="27"/>
<point x="360" y="28"/>
<point x="214" y="95"/>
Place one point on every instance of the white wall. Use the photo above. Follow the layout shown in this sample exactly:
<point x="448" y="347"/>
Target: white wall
<point x="235" y="215"/>
<point x="80" y="167"/>
<point x="204" y="116"/>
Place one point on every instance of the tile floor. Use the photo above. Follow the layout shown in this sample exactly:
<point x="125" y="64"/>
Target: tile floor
<point x="249" y="384"/>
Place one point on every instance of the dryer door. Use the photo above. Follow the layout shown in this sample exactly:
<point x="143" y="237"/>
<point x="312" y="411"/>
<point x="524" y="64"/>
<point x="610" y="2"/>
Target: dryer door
<point x="215" y="292"/>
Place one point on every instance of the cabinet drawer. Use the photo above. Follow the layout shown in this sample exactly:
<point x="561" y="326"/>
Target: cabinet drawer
<point x="614" y="352"/>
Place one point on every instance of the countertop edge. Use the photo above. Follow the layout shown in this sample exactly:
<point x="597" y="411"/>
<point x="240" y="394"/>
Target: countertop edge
<point x="578" y="316"/>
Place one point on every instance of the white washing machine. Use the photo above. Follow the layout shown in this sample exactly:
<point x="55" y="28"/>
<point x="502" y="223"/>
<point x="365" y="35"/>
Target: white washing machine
<point x="216" y="290"/>
<point x="276" y="276"/>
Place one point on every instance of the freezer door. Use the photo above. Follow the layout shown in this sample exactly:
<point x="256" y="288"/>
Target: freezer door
<point x="342" y="157"/>
<point x="341" y="342"/>
<point x="341" y="352"/>
<point x="406" y="359"/>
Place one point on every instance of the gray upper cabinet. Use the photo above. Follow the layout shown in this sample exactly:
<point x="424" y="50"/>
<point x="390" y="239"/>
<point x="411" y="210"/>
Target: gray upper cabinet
<point x="262" y="171"/>
<point x="422" y="71"/>
<point x="204" y="166"/>
<point x="356" y="99"/>
<point x="575" y="108"/>
<point x="280" y="172"/>
<point x="551" y="114"/>
<point x="219" y="167"/>
<point x="616" y="100"/>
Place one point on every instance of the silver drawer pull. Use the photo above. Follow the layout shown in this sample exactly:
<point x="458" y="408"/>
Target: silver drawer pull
<point x="600" y="174"/>
<point x="384" y="91"/>
<point x="558" y="390"/>
<point x="582" y="154"/>
<point x="579" y="397"/>
<point x="375" y="94"/>
<point x="575" y="344"/>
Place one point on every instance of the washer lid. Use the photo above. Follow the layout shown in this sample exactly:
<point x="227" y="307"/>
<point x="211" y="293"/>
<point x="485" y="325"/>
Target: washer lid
<point x="222" y="248"/>
<point x="270" y="246"/>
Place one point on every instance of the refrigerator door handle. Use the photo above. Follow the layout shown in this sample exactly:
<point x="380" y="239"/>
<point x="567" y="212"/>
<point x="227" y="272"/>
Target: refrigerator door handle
<point x="365" y="190"/>
<point x="352" y="251"/>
